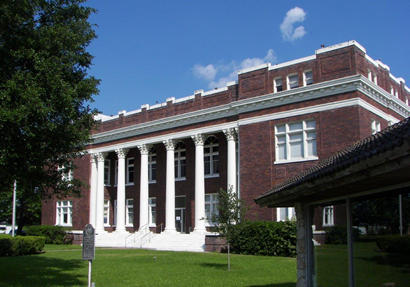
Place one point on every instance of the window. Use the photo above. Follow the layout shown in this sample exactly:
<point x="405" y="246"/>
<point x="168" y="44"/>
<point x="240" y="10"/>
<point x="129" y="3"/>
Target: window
<point x="152" y="166"/>
<point x="293" y="81"/>
<point x="106" y="212"/>
<point x="129" y="216"/>
<point x="64" y="213"/>
<point x="369" y="75"/>
<point x="392" y="91"/>
<point x="296" y="141"/>
<point x="307" y="78"/>
<point x="66" y="173"/>
<point x="407" y="101"/>
<point x="285" y="213"/>
<point x="211" y="207"/>
<point x="396" y="94"/>
<point x="375" y="127"/>
<point x="277" y="85"/>
<point x="180" y="161"/>
<point x="152" y="214"/>
<point x="328" y="215"/>
<point x="116" y="173"/>
<point x="211" y="157"/>
<point x="130" y="170"/>
<point x="107" y="171"/>
<point x="375" y="79"/>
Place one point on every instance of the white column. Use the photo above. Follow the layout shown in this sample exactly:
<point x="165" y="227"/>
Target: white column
<point x="93" y="190"/>
<point x="144" y="149"/>
<point x="199" y="184"/>
<point x="170" y="187"/>
<point x="120" y="225"/>
<point x="99" y="221"/>
<point x="231" y="140"/>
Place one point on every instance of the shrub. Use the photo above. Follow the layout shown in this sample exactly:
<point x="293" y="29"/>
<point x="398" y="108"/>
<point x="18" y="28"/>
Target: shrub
<point x="338" y="234"/>
<point x="53" y="234"/>
<point x="394" y="243"/>
<point x="264" y="238"/>
<point x="20" y="245"/>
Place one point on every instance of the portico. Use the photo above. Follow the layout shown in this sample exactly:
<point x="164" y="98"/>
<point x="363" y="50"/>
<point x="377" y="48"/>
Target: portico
<point x="204" y="163"/>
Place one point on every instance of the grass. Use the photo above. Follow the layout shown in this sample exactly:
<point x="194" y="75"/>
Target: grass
<point x="61" y="265"/>
<point x="372" y="266"/>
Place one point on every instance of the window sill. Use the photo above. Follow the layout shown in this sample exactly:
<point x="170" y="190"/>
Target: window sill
<point x="65" y="225"/>
<point x="327" y="225"/>
<point x="295" y="160"/>
<point x="108" y="185"/>
<point x="152" y="181"/>
<point x="129" y="184"/>
<point x="212" y="175"/>
<point x="210" y="224"/>
<point x="152" y="225"/>
<point x="129" y="225"/>
<point x="180" y="178"/>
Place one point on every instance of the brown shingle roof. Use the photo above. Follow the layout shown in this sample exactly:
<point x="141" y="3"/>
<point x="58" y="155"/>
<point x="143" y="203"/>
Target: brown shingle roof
<point x="387" y="139"/>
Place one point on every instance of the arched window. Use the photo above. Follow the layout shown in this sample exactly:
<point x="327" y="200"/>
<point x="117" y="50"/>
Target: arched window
<point x="152" y="166"/>
<point x="211" y="157"/>
<point x="180" y="161"/>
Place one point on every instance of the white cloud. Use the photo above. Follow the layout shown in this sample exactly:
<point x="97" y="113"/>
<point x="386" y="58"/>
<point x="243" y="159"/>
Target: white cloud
<point x="229" y="72"/>
<point x="293" y="16"/>
<point x="206" y="72"/>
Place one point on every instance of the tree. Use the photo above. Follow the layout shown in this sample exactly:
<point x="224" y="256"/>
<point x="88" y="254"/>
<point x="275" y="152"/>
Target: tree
<point x="45" y="96"/>
<point x="231" y="211"/>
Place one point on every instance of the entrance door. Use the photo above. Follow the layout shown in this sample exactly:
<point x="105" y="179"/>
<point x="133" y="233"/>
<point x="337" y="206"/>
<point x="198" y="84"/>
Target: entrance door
<point x="180" y="219"/>
<point x="180" y="213"/>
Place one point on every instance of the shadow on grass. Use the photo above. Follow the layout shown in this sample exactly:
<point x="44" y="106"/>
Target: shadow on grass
<point x="37" y="270"/>
<point x="215" y="265"/>
<point x="394" y="260"/>
<point x="275" y="285"/>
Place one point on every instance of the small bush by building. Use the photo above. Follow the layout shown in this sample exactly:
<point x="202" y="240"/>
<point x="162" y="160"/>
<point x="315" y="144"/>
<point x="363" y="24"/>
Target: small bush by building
<point x="53" y="234"/>
<point x="20" y="245"/>
<point x="264" y="238"/>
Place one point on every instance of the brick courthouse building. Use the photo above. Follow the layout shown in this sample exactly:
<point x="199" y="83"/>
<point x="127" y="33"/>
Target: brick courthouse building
<point x="159" y="168"/>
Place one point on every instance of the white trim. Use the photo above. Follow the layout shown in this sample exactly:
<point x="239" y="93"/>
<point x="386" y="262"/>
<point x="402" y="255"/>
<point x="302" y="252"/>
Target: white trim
<point x="296" y="160"/>
<point x="293" y="62"/>
<point x="340" y="46"/>
<point x="247" y="70"/>
<point x="214" y="91"/>
<point x="331" y="217"/>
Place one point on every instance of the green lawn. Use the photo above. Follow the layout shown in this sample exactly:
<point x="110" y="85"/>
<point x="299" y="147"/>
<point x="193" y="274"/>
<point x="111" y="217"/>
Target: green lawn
<point x="372" y="266"/>
<point x="62" y="266"/>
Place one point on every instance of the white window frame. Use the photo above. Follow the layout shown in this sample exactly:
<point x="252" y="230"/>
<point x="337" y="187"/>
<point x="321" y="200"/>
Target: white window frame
<point x="328" y="217"/>
<point x="127" y="171"/>
<point x="211" y="199"/>
<point x="152" y="163"/>
<point x="106" y="213"/>
<point x="407" y="101"/>
<point x="60" y="205"/>
<point x="375" y="79"/>
<point x="288" y="81"/>
<point x="392" y="90"/>
<point x="375" y="127"/>
<point x="396" y="93"/>
<point x="275" y="85"/>
<point x="369" y="75"/>
<point x="305" y="78"/>
<point x="66" y="176"/>
<point x="289" y="213"/>
<point x="178" y="157"/>
<point x="129" y="204"/>
<point x="212" y="153"/>
<point x="305" y="130"/>
<point x="151" y="205"/>
<point x="107" y="172"/>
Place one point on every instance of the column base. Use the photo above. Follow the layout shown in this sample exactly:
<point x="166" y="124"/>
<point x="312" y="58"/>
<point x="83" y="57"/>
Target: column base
<point x="170" y="231"/>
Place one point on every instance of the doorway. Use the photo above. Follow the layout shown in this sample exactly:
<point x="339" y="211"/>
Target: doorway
<point x="180" y="214"/>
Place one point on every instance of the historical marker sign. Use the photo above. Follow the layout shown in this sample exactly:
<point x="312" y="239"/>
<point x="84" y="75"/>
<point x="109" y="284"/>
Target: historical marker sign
<point x="88" y="242"/>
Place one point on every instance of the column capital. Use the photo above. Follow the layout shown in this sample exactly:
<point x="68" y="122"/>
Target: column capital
<point x="198" y="139"/>
<point x="92" y="158"/>
<point x="144" y="148"/>
<point x="169" y="144"/>
<point x="100" y="156"/>
<point x="121" y="152"/>
<point x="231" y="134"/>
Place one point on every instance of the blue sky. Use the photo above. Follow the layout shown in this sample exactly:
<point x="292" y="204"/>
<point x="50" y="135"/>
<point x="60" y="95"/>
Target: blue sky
<point x="147" y="51"/>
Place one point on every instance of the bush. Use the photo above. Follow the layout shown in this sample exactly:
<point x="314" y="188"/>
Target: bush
<point x="264" y="238"/>
<point x="394" y="243"/>
<point x="338" y="234"/>
<point x="20" y="245"/>
<point x="53" y="234"/>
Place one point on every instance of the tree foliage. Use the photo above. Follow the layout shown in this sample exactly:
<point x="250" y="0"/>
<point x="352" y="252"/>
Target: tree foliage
<point x="45" y="92"/>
